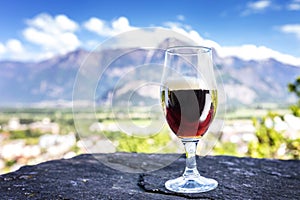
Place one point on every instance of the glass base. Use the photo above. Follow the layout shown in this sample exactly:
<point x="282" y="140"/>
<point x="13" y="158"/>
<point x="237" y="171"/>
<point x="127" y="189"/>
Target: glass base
<point x="191" y="185"/>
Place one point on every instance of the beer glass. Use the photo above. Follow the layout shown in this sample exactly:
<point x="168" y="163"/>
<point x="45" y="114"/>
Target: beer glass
<point x="189" y="100"/>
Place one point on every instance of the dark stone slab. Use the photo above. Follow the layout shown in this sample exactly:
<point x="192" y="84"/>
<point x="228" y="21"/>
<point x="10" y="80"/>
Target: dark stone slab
<point x="84" y="177"/>
<point x="238" y="178"/>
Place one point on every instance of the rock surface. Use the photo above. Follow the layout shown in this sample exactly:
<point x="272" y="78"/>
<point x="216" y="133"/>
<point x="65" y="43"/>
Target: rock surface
<point x="84" y="177"/>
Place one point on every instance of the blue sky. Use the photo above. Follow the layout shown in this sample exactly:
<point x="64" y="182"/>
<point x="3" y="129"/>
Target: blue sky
<point x="34" y="30"/>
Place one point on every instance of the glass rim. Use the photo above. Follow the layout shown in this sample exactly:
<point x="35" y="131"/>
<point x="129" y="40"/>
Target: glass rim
<point x="181" y="50"/>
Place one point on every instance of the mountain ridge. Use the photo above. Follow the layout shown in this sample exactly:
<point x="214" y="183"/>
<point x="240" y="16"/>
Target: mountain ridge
<point x="245" y="82"/>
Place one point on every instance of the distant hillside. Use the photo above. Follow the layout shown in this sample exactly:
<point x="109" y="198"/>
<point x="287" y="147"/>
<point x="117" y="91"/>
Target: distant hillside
<point x="246" y="82"/>
<point x="249" y="82"/>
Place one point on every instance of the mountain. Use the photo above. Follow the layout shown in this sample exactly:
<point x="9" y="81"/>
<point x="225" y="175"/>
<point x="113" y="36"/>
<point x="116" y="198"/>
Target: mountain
<point x="52" y="80"/>
<point x="253" y="81"/>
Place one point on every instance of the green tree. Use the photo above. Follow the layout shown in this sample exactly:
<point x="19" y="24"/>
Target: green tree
<point x="271" y="143"/>
<point x="295" y="88"/>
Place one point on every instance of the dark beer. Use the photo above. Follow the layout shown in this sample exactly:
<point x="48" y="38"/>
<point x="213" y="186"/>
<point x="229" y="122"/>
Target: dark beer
<point x="189" y="112"/>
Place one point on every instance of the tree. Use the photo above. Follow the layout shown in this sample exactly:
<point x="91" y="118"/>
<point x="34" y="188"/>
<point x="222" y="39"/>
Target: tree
<point x="272" y="143"/>
<point x="295" y="88"/>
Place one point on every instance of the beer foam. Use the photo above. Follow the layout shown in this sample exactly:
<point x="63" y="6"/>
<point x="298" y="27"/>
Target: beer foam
<point x="184" y="83"/>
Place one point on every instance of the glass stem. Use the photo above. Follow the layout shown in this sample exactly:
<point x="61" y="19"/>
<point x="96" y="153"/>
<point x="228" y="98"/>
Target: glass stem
<point x="191" y="165"/>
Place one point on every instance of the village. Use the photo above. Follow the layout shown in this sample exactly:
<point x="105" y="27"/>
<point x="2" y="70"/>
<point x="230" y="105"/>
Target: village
<point x="46" y="141"/>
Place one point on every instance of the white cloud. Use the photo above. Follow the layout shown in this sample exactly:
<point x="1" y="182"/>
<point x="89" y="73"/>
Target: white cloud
<point x="294" y="5"/>
<point x="66" y="24"/>
<point x="245" y="52"/>
<point x="183" y="29"/>
<point x="257" y="7"/>
<point x="55" y="35"/>
<point x="248" y="52"/>
<point x="14" y="46"/>
<point x="291" y="28"/>
<point x="95" y="25"/>
<point x="13" y="49"/>
<point x="261" y="6"/>
<point x="54" y="25"/>
<point x="103" y="28"/>
<point x="189" y="32"/>
<point x="2" y="48"/>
